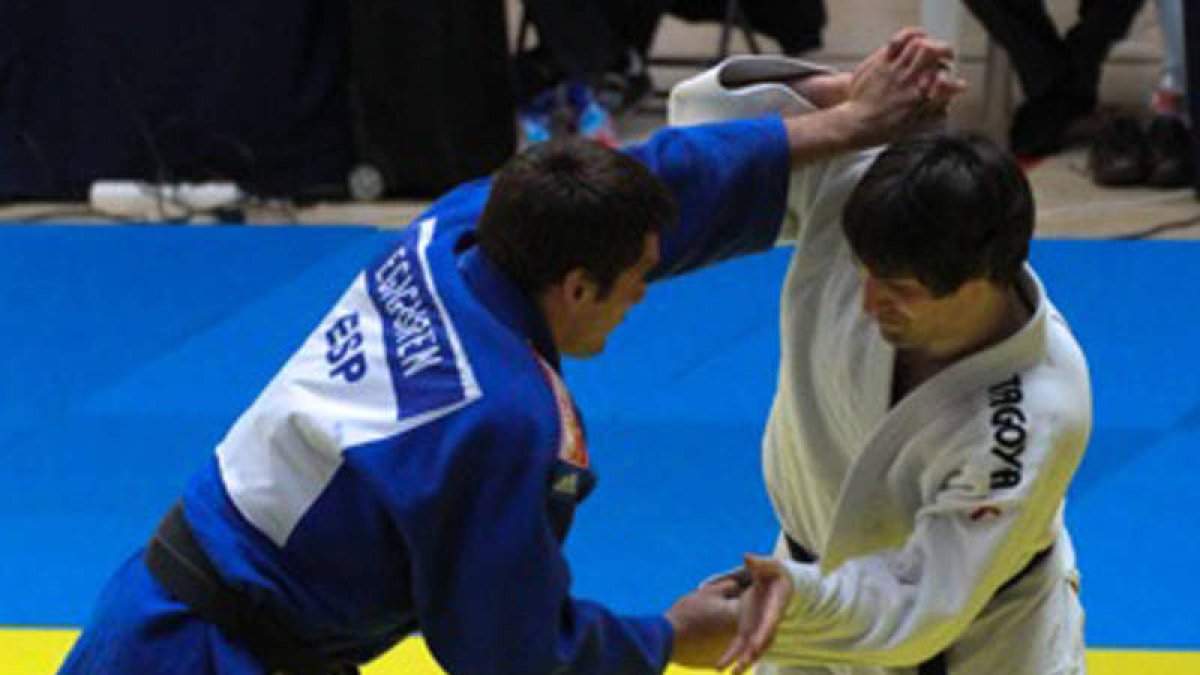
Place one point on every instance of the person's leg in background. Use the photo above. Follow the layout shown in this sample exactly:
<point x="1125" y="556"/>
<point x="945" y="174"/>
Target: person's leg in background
<point x="558" y="80"/>
<point x="1043" y="65"/>
<point x="796" y="25"/>
<point x="1191" y="42"/>
<point x="635" y="22"/>
<point x="576" y="33"/>
<point x="1101" y="24"/>
<point x="1171" y="163"/>
<point x="1169" y="97"/>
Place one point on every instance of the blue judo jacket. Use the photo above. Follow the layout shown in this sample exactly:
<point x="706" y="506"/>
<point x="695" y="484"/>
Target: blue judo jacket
<point x="416" y="464"/>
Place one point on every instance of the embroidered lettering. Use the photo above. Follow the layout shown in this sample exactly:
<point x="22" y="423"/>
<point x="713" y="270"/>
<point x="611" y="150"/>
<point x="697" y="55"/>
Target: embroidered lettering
<point x="345" y="349"/>
<point x="402" y="301"/>
<point x="1005" y="478"/>
<point x="1008" y="431"/>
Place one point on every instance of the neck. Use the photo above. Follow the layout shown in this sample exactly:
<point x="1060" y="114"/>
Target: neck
<point x="989" y="320"/>
<point x="553" y="315"/>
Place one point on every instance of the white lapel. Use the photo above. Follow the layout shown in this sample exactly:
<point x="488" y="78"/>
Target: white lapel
<point x="880" y="496"/>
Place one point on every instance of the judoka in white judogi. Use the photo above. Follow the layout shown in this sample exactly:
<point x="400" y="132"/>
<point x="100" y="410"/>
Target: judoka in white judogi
<point x="937" y="521"/>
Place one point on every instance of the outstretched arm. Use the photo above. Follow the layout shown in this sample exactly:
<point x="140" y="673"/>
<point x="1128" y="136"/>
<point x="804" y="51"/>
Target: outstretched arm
<point x="731" y="180"/>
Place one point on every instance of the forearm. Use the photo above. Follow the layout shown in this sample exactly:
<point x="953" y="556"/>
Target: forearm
<point x="825" y="134"/>
<point x="832" y="620"/>
<point x="903" y="606"/>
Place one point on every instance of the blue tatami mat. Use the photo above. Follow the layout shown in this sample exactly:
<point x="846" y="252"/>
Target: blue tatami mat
<point x="131" y="349"/>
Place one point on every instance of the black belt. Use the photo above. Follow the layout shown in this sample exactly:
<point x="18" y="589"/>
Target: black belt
<point x="182" y="567"/>
<point x="937" y="664"/>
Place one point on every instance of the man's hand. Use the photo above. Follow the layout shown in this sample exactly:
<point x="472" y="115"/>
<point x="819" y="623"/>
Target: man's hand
<point x="705" y="622"/>
<point x="762" y="608"/>
<point x="901" y="87"/>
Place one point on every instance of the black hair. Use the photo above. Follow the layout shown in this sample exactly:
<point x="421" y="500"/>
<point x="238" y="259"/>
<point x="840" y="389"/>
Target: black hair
<point x="943" y="208"/>
<point x="571" y="203"/>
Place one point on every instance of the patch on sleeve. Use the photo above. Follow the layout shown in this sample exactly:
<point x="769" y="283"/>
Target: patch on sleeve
<point x="572" y="446"/>
<point x="420" y="339"/>
<point x="1009" y="432"/>
<point x="985" y="512"/>
<point x="571" y="482"/>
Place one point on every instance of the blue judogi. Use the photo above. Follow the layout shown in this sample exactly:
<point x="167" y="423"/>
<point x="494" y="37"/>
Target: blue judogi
<point x="416" y="464"/>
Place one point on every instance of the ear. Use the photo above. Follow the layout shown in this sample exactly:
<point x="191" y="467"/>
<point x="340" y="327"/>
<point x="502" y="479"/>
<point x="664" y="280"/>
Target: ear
<point x="576" y="289"/>
<point x="563" y="299"/>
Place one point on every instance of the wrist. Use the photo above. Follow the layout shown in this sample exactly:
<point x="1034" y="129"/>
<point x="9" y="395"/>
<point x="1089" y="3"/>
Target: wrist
<point x="826" y="133"/>
<point x="856" y="129"/>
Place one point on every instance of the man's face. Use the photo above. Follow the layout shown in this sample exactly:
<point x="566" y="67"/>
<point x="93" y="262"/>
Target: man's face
<point x="908" y="314"/>
<point x="599" y="316"/>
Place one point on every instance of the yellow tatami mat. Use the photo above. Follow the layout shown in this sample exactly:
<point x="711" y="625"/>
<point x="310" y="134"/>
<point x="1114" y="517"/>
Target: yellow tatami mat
<point x="38" y="652"/>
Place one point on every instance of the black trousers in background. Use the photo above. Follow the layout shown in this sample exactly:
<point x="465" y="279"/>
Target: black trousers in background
<point x="1191" y="40"/>
<point x="1046" y="62"/>
<point x="587" y="37"/>
<point x="578" y="35"/>
<point x="795" y="24"/>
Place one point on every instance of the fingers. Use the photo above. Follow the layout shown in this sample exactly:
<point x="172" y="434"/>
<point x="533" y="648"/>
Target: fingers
<point x="733" y="653"/>
<point x="923" y="56"/>
<point x="931" y="56"/>
<point x="739" y="575"/>
<point x="944" y="89"/>
<point x="901" y="39"/>
<point x="889" y="52"/>
<point x="726" y="587"/>
<point x="763" y="607"/>
<point x="772" y="581"/>
<point x="938" y="89"/>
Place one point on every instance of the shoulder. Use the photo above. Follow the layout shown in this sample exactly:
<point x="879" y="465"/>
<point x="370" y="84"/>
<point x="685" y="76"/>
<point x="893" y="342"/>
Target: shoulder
<point x="460" y="206"/>
<point x="1019" y="430"/>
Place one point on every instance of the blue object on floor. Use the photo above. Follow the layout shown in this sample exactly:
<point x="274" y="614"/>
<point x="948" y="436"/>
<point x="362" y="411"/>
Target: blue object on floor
<point x="132" y="349"/>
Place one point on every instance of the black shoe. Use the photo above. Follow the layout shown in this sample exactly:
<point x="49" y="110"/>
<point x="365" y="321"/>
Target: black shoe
<point x="1120" y="154"/>
<point x="1172" y="155"/>
<point x="623" y="87"/>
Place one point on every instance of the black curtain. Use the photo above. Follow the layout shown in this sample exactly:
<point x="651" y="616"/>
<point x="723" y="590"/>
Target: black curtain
<point x="248" y="90"/>
<point x="432" y="92"/>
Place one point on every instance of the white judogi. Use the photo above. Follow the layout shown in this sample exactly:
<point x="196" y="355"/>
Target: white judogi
<point x="919" y="512"/>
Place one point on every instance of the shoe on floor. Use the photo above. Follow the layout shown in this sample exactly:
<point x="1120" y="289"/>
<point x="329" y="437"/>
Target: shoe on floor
<point x="1120" y="153"/>
<point x="592" y="120"/>
<point x="1172" y="154"/>
<point x="547" y="115"/>
<point x="620" y="89"/>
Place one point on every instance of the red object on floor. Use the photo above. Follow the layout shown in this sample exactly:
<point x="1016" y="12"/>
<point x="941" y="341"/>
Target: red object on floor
<point x="1029" y="162"/>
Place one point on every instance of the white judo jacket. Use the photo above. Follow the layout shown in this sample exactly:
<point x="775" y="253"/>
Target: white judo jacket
<point x="922" y="512"/>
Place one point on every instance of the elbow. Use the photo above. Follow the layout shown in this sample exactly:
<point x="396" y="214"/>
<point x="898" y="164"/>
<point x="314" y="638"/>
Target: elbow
<point x="921" y="646"/>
